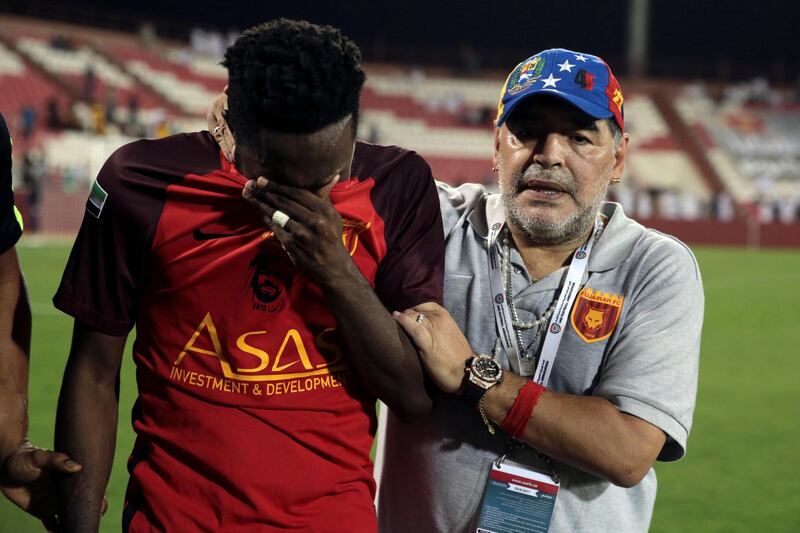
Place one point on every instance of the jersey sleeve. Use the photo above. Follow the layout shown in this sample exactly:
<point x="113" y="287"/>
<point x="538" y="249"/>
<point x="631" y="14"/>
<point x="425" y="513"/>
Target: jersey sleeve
<point x="412" y="272"/>
<point x="10" y="219"/>
<point x="652" y="371"/>
<point x="106" y="268"/>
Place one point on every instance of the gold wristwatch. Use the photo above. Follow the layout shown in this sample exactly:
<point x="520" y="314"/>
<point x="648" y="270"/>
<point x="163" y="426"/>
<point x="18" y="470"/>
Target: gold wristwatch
<point x="481" y="373"/>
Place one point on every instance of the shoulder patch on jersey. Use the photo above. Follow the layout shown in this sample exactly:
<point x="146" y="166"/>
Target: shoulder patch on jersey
<point x="595" y="314"/>
<point x="97" y="199"/>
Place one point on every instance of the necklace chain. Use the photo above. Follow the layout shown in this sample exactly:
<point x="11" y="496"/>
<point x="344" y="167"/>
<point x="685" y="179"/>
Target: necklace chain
<point x="519" y="326"/>
<point x="505" y="270"/>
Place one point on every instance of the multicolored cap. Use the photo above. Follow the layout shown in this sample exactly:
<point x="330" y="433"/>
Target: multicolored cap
<point x="584" y="80"/>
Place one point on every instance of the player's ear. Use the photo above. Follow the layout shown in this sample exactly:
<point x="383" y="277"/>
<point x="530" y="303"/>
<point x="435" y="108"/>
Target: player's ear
<point x="229" y="137"/>
<point x="228" y="122"/>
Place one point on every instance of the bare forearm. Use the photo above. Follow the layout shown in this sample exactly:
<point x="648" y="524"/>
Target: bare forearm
<point x="21" y="331"/>
<point x="15" y="333"/>
<point x="86" y="424"/>
<point x="587" y="432"/>
<point x="86" y="430"/>
<point x="13" y="409"/>
<point x="379" y="349"/>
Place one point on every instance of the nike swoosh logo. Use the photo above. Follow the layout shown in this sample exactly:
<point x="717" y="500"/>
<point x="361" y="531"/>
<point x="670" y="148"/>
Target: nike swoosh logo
<point x="199" y="235"/>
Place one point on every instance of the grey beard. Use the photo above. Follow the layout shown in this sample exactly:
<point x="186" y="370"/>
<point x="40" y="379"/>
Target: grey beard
<point x="538" y="230"/>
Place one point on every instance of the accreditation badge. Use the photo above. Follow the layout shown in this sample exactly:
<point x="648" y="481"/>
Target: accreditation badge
<point x="517" y="499"/>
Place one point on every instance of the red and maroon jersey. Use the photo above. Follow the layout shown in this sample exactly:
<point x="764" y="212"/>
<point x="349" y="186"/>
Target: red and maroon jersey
<point x="250" y="415"/>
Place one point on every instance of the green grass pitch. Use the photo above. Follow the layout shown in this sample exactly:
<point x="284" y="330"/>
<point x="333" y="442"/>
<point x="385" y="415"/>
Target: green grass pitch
<point x="742" y="471"/>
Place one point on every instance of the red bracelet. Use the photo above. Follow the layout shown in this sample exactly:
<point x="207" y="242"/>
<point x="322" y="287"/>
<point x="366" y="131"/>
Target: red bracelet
<point x="520" y="413"/>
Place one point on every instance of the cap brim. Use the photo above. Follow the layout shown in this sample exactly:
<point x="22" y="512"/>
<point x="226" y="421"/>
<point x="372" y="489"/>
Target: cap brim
<point x="590" y="108"/>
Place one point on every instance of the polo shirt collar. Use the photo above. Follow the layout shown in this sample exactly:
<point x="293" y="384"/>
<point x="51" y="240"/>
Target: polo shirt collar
<point x="617" y="241"/>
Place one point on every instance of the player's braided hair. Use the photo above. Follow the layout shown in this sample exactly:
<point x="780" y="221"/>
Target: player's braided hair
<point x="291" y="76"/>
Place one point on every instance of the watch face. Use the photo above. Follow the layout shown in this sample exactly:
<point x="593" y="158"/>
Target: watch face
<point x="487" y="369"/>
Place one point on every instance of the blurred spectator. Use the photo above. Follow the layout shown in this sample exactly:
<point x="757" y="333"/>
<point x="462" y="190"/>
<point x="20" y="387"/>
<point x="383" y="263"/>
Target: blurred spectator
<point x="766" y="211"/>
<point x="61" y="42"/>
<point x="163" y="129"/>
<point x="472" y="116"/>
<point x="207" y="43"/>
<point x="487" y="115"/>
<point x="148" y="35"/>
<point x="765" y="185"/>
<point x="417" y="78"/>
<point x="72" y="176"/>
<point x="197" y="38"/>
<point x="111" y="105"/>
<point x="667" y="204"/>
<point x="754" y="92"/>
<point x="690" y="208"/>
<point x="89" y="84"/>
<point x="453" y="102"/>
<point x="84" y="117"/>
<point x="722" y="206"/>
<point x="644" y="205"/>
<point x="99" y="122"/>
<point x="69" y="119"/>
<point x="28" y="121"/>
<point x="374" y="135"/>
<point x="787" y="209"/>
<point x="626" y="196"/>
<point x="132" y="126"/>
<point x="53" y="115"/>
<point x="33" y="171"/>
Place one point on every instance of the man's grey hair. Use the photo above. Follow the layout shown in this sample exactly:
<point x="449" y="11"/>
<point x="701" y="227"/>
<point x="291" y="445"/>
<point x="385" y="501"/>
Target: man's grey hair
<point x="615" y="132"/>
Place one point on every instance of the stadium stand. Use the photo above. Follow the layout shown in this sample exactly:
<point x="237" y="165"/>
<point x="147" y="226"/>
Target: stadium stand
<point x="21" y="86"/>
<point x="185" y="81"/>
<point x="755" y="147"/>
<point x="694" y="157"/>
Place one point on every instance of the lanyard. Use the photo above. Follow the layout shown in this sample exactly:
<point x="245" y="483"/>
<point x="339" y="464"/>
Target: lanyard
<point x="502" y="312"/>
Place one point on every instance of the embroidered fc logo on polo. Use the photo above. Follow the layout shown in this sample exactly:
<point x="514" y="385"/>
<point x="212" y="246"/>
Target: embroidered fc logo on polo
<point x="595" y="314"/>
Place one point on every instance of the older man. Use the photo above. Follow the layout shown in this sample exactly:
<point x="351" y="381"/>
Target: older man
<point x="587" y="325"/>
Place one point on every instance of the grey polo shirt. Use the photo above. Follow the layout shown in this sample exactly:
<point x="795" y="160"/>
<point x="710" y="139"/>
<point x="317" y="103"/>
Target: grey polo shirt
<point x="643" y="359"/>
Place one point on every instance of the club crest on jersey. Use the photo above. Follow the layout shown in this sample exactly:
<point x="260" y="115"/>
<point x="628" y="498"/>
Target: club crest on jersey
<point x="525" y="75"/>
<point x="270" y="282"/>
<point x="272" y="275"/>
<point x="595" y="314"/>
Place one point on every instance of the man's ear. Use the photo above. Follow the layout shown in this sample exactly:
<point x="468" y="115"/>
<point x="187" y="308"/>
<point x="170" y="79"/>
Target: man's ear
<point x="620" y="155"/>
<point x="496" y="154"/>
<point x="219" y="126"/>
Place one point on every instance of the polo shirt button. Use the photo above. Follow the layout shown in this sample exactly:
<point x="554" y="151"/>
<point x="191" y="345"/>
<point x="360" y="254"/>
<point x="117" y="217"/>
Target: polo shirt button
<point x="518" y="270"/>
